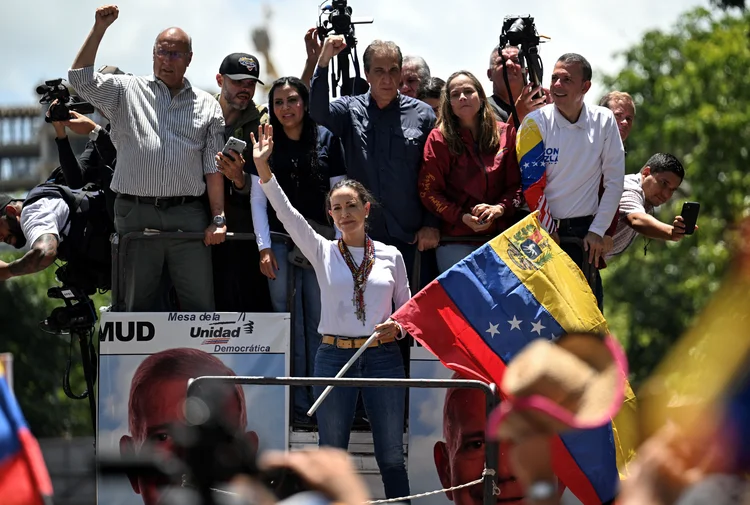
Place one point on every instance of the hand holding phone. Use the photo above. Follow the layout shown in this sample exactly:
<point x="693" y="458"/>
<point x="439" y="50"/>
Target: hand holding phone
<point x="689" y="215"/>
<point x="233" y="144"/>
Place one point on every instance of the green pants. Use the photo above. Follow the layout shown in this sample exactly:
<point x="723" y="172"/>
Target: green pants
<point x="188" y="261"/>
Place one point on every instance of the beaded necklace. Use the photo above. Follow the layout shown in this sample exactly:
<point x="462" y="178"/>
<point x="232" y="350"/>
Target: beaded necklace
<point x="359" y="274"/>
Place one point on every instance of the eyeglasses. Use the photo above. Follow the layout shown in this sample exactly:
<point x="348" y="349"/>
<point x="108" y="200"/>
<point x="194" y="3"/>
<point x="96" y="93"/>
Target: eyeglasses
<point x="171" y="55"/>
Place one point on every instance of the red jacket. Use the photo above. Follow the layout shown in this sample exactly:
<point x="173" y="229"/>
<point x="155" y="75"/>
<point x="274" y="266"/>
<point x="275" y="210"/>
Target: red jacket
<point x="450" y="186"/>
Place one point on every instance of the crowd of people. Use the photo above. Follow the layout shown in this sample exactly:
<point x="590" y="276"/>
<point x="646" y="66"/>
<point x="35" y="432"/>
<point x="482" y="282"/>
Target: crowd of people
<point x="378" y="193"/>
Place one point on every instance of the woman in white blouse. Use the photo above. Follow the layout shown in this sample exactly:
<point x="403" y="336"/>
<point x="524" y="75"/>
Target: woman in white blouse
<point x="360" y="281"/>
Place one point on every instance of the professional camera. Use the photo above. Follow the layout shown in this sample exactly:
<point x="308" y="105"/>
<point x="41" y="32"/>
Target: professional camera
<point x="77" y="314"/>
<point x="56" y="90"/>
<point x="337" y="18"/>
<point x="77" y="319"/>
<point x="520" y="31"/>
<point x="339" y="21"/>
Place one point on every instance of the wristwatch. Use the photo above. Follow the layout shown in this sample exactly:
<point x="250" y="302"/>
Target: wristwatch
<point x="94" y="134"/>
<point x="540" y="490"/>
<point x="219" y="221"/>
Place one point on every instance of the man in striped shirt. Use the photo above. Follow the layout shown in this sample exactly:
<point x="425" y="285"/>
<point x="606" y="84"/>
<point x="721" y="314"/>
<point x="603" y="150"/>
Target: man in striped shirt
<point x="652" y="187"/>
<point x="167" y="134"/>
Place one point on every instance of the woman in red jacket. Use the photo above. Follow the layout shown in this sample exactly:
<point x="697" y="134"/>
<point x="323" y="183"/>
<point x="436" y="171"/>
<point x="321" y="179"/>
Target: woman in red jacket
<point x="469" y="176"/>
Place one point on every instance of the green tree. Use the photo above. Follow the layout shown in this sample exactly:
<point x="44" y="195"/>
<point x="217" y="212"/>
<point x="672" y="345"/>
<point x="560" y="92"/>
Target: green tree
<point x="692" y="91"/>
<point x="39" y="358"/>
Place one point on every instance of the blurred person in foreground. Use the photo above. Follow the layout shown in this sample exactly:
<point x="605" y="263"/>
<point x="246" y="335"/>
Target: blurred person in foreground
<point x="156" y="403"/>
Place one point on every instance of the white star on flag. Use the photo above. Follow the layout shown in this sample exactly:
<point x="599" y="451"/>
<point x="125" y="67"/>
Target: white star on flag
<point x="526" y="165"/>
<point x="515" y="324"/>
<point x="537" y="327"/>
<point x="493" y="330"/>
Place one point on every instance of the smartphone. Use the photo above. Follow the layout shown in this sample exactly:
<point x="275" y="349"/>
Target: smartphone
<point x="234" y="144"/>
<point x="690" y="216"/>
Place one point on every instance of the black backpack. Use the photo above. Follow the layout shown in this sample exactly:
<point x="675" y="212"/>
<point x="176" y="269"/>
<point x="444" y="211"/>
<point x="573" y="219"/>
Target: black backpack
<point x="85" y="246"/>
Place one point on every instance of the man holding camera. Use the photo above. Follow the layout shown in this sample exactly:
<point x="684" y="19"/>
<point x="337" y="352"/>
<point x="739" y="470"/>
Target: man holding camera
<point x="167" y="135"/>
<point x="566" y="150"/>
<point x="383" y="132"/>
<point x="59" y="223"/>
<point x="525" y="97"/>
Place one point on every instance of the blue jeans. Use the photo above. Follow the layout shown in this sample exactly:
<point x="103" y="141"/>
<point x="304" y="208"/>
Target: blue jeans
<point x="450" y="254"/>
<point x="306" y="317"/>
<point x="384" y="407"/>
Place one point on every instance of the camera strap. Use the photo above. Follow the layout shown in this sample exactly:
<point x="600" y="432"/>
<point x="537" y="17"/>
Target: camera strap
<point x="512" y="100"/>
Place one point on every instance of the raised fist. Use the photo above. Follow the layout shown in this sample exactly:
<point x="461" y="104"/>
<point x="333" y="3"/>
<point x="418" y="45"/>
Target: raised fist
<point x="105" y="16"/>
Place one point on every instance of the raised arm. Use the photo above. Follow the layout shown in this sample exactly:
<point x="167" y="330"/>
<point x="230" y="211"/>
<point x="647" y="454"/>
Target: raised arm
<point x="333" y="116"/>
<point x="103" y="18"/>
<point x="309" y="242"/>
<point x="313" y="48"/>
<point x="530" y="156"/>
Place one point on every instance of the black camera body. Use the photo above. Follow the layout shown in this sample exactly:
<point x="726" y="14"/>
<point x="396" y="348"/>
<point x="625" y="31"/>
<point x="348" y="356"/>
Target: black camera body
<point x="519" y="31"/>
<point x="56" y="90"/>
<point x="78" y="313"/>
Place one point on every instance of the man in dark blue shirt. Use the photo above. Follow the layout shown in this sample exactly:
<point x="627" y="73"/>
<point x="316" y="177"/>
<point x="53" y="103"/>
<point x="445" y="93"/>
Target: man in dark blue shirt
<point x="383" y="133"/>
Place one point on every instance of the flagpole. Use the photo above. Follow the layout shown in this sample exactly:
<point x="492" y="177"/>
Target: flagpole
<point x="343" y="370"/>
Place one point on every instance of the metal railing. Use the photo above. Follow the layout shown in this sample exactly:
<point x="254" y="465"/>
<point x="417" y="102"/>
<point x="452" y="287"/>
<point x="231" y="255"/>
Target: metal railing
<point x="490" y="394"/>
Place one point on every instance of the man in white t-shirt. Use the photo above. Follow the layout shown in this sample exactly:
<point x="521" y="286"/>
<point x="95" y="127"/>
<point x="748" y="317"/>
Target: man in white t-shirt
<point x="40" y="225"/>
<point x="653" y="186"/>
<point x="566" y="150"/>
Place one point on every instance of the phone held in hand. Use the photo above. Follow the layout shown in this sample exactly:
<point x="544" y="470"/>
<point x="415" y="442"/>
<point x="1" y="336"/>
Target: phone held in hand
<point x="233" y="144"/>
<point x="690" y="216"/>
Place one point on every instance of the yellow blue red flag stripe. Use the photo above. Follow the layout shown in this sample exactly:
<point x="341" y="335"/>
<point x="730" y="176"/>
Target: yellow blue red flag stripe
<point x="479" y="314"/>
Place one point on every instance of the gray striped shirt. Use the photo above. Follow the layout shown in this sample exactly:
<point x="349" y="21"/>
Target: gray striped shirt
<point x="165" y="145"/>
<point x="633" y="200"/>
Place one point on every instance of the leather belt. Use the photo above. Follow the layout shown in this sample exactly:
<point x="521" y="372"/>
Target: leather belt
<point x="160" y="202"/>
<point x="353" y="343"/>
<point x="574" y="222"/>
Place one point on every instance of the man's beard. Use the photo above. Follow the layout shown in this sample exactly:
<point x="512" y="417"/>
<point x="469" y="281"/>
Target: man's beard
<point x="16" y="231"/>
<point x="238" y="103"/>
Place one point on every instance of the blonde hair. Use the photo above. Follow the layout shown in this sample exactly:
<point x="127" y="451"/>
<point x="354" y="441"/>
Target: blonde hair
<point x="488" y="137"/>
<point x="617" y="97"/>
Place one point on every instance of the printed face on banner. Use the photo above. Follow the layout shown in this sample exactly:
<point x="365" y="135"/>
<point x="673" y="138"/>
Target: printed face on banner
<point x="142" y="395"/>
<point x="447" y="445"/>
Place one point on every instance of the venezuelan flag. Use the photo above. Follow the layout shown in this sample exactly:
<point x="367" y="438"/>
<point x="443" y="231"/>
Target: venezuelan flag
<point x="23" y="475"/>
<point x="479" y="314"/>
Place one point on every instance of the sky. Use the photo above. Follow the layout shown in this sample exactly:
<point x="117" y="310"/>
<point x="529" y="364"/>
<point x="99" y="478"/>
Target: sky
<point x="41" y="39"/>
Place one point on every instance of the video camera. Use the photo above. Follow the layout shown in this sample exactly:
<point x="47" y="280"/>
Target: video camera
<point x="56" y="90"/>
<point x="78" y="313"/>
<point x="520" y="31"/>
<point x="77" y="318"/>
<point x="337" y="18"/>
<point x="339" y="21"/>
<point x="208" y="453"/>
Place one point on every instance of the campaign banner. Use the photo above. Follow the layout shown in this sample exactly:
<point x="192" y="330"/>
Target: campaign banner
<point x="426" y="426"/>
<point x="145" y="362"/>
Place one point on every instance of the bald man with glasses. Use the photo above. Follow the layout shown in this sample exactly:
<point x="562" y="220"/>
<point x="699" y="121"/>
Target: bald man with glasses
<point x="167" y="135"/>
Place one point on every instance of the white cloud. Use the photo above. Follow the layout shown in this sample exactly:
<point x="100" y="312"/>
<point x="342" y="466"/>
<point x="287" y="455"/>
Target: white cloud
<point x="448" y="35"/>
